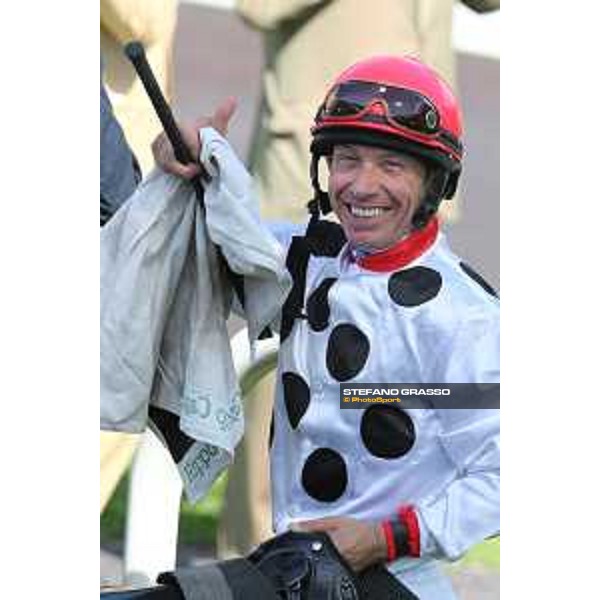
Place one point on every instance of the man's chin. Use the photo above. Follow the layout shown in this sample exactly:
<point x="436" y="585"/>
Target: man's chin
<point x="361" y="239"/>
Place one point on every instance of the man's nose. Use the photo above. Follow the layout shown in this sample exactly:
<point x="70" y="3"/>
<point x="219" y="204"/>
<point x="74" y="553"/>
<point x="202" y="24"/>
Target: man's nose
<point x="366" y="182"/>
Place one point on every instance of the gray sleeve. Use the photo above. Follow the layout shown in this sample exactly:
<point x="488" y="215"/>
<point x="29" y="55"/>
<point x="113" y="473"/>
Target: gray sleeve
<point x="283" y="231"/>
<point x="118" y="176"/>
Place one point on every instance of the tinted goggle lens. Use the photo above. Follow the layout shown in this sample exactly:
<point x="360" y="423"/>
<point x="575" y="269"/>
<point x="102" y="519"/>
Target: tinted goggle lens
<point x="405" y="107"/>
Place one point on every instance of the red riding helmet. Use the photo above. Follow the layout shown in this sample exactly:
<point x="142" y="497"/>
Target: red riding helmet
<point x="397" y="103"/>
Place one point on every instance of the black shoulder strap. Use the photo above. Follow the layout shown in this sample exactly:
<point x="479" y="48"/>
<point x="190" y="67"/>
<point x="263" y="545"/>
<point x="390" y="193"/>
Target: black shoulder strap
<point x="322" y="238"/>
<point x="297" y="264"/>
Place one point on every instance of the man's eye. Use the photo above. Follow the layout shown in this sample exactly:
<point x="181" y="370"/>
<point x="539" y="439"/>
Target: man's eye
<point x="345" y="159"/>
<point x="393" y="165"/>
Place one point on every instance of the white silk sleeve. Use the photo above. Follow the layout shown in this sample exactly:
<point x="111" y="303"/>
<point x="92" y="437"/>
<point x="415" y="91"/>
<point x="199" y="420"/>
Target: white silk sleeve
<point x="468" y="510"/>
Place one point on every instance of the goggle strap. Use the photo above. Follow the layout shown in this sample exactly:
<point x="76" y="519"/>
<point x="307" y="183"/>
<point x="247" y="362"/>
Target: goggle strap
<point x="444" y="135"/>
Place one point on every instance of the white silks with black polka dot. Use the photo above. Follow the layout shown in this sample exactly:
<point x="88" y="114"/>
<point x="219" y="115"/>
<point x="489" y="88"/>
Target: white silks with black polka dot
<point x="431" y="321"/>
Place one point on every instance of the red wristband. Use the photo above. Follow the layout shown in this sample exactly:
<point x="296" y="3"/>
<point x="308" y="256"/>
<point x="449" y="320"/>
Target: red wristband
<point x="389" y="540"/>
<point x="408" y="516"/>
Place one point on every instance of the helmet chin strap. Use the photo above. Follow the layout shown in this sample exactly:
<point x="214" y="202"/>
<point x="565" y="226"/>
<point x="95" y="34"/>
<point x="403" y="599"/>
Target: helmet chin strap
<point x="320" y="201"/>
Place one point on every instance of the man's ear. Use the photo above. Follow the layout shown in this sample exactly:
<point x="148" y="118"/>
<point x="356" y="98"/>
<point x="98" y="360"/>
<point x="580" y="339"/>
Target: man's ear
<point x="428" y="181"/>
<point x="452" y="185"/>
<point x="440" y="183"/>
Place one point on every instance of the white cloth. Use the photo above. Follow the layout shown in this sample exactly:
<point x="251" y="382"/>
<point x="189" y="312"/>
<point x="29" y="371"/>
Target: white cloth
<point x="164" y="305"/>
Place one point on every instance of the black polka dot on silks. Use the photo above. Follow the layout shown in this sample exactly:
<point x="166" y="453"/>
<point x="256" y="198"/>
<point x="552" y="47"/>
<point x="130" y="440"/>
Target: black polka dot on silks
<point x="324" y="475"/>
<point x="414" y="286"/>
<point x="347" y="351"/>
<point x="317" y="306"/>
<point x="296" y="395"/>
<point x="387" y="431"/>
<point x="477" y="278"/>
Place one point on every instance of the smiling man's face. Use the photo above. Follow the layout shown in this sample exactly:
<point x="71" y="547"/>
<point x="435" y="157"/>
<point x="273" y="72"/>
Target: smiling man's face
<point x="374" y="192"/>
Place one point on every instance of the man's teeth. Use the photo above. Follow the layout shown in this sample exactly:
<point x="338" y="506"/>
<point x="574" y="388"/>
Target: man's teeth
<point x="356" y="211"/>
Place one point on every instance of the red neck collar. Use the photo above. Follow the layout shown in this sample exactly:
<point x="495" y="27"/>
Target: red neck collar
<point x="403" y="252"/>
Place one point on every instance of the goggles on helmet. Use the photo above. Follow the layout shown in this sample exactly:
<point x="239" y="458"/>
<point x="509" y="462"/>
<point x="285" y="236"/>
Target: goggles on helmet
<point x="404" y="108"/>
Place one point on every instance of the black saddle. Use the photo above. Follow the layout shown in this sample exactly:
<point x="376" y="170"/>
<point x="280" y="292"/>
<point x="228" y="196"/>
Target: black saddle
<point x="291" y="566"/>
<point x="307" y="566"/>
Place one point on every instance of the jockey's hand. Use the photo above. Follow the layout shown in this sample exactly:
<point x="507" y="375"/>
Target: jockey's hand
<point x="361" y="543"/>
<point x="163" y="151"/>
